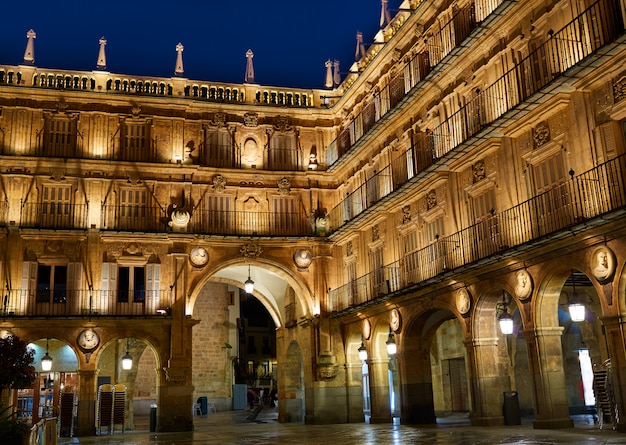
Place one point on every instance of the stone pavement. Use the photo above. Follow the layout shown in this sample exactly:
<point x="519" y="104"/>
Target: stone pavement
<point x="233" y="427"/>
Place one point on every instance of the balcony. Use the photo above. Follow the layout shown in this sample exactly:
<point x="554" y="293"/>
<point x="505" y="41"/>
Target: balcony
<point x="242" y="223"/>
<point x="548" y="63"/>
<point x="582" y="199"/>
<point x="85" y="303"/>
<point x="54" y="215"/>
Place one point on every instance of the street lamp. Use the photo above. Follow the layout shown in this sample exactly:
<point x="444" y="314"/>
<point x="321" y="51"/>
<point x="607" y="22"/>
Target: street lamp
<point x="127" y="360"/>
<point x="46" y="361"/>
<point x="362" y="351"/>
<point x="391" y="343"/>
<point x="249" y="284"/>
<point x="505" y="319"/>
<point x="576" y="306"/>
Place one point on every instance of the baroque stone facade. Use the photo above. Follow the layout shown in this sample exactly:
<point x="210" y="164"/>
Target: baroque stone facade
<point x="452" y="186"/>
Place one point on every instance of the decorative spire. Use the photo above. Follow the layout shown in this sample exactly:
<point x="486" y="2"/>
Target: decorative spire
<point x="329" y="74"/>
<point x="249" y="77"/>
<point x="360" y="47"/>
<point x="336" y="73"/>
<point x="179" y="70"/>
<point x="102" y="58"/>
<point x="385" y="17"/>
<point x="29" y="54"/>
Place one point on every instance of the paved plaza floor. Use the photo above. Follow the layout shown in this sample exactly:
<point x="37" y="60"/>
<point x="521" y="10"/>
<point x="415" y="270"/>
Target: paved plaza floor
<point x="234" y="427"/>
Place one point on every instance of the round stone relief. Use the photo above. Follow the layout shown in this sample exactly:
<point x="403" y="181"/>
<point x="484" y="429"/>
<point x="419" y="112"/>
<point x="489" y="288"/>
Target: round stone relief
<point x="367" y="329"/>
<point x="302" y="258"/>
<point x="463" y="301"/>
<point x="602" y="264"/>
<point x="523" y="284"/>
<point x="395" y="320"/>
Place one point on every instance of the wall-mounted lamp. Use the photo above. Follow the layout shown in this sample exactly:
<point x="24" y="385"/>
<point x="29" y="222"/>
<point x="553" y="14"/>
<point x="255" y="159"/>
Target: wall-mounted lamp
<point x="575" y="304"/>
<point x="46" y="361"/>
<point x="391" y="343"/>
<point x="127" y="360"/>
<point x="362" y="351"/>
<point x="505" y="320"/>
<point x="249" y="284"/>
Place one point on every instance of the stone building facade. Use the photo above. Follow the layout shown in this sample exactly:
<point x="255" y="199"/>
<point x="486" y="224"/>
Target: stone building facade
<point x="472" y="164"/>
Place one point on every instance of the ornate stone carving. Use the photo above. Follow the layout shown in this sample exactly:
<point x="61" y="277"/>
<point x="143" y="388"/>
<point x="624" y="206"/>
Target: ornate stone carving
<point x="136" y="110"/>
<point x="57" y="174"/>
<point x="541" y="134"/>
<point x="327" y="368"/>
<point x="179" y="219"/>
<point x="284" y="186"/>
<point x="602" y="264"/>
<point x="375" y="233"/>
<point x="478" y="171"/>
<point x="219" y="120"/>
<point x="219" y="183"/>
<point x="282" y="124"/>
<point x="61" y="106"/>
<point x="176" y="376"/>
<point x="349" y="249"/>
<point x="619" y="89"/>
<point x="431" y="200"/>
<point x="251" y="250"/>
<point x="524" y="285"/>
<point x="251" y="120"/>
<point x="406" y="214"/>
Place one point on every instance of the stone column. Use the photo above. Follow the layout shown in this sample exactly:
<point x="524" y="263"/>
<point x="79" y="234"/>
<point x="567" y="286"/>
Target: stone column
<point x="545" y="358"/>
<point x="354" y="392"/>
<point x="174" y="409"/>
<point x="87" y="398"/>
<point x="379" y="390"/>
<point x="488" y="380"/>
<point x="416" y="387"/>
<point x="615" y="332"/>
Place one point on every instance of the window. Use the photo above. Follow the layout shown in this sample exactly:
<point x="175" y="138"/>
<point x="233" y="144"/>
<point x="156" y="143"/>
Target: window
<point x="135" y="141"/>
<point x="487" y="228"/>
<point x="378" y="270"/>
<point x="219" y="150"/>
<point x="51" y="284"/>
<point x="133" y="210"/>
<point x="56" y="206"/>
<point x="282" y="153"/>
<point x="410" y="250"/>
<point x="286" y="220"/>
<point x="131" y="284"/>
<point x="218" y="214"/>
<point x="553" y="193"/>
<point x="60" y="137"/>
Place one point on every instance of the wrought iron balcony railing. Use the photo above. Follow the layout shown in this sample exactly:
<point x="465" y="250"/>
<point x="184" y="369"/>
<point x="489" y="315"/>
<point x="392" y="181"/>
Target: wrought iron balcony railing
<point x="592" y="194"/>
<point x="598" y="25"/>
<point x="274" y="224"/>
<point x="85" y="302"/>
<point x="53" y="215"/>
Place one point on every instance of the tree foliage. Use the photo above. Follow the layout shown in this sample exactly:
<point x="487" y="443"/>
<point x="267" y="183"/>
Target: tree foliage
<point x="16" y="364"/>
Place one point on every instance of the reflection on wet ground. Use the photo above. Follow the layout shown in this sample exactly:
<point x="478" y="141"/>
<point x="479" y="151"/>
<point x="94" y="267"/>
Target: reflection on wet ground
<point x="234" y="428"/>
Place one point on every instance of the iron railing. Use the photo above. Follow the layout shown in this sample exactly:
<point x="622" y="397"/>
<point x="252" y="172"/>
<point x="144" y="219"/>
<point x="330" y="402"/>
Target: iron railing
<point x="215" y="222"/>
<point x="53" y="215"/>
<point x="85" y="302"/>
<point x="595" y="27"/>
<point x="592" y="194"/>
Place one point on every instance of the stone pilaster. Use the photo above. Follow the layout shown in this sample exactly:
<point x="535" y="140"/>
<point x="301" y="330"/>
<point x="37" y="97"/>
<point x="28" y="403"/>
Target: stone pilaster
<point x="379" y="391"/>
<point x="86" y="414"/>
<point x="488" y="381"/>
<point x="545" y="357"/>
<point x="416" y="387"/>
<point x="615" y="331"/>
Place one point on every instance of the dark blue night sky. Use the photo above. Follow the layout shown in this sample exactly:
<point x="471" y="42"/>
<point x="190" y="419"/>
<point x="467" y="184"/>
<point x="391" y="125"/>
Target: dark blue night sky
<point x="291" y="40"/>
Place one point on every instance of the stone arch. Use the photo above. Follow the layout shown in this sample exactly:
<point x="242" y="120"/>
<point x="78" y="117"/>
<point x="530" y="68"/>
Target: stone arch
<point x="303" y="295"/>
<point x="415" y="362"/>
